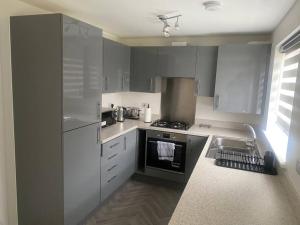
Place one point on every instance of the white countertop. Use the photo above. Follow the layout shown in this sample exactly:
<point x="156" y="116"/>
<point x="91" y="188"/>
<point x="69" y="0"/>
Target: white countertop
<point x="222" y="196"/>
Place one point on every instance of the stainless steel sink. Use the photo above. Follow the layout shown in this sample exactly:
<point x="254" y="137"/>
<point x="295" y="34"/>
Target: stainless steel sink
<point x="230" y="145"/>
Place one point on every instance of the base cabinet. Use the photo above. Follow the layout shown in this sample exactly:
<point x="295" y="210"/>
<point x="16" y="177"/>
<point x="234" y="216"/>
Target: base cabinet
<point x="81" y="173"/>
<point x="195" y="146"/>
<point x="118" y="162"/>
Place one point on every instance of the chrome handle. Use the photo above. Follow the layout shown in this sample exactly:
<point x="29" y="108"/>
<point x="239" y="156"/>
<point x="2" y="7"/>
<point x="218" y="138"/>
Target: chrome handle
<point x="106" y="83"/>
<point x="111" y="179"/>
<point x="197" y="88"/>
<point x="111" y="168"/>
<point x="98" y="110"/>
<point x="114" y="145"/>
<point x="98" y="135"/>
<point x="216" y="101"/>
<point x="125" y="140"/>
<point x="122" y="80"/>
<point x="151" y="84"/>
<point x="113" y="156"/>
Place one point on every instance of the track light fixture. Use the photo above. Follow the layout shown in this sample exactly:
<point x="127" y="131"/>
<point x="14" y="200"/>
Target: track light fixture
<point x="167" y="28"/>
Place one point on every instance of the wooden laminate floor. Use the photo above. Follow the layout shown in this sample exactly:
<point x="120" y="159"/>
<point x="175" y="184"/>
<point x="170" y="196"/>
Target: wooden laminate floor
<point x="141" y="201"/>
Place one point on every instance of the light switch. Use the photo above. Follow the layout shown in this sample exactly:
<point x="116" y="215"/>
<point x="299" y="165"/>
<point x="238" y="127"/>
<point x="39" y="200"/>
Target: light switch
<point x="298" y="166"/>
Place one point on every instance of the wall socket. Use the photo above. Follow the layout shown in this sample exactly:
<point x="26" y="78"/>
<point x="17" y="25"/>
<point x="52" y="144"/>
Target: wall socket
<point x="298" y="166"/>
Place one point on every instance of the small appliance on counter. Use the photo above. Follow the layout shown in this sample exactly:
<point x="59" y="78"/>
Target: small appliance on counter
<point x="147" y="115"/>
<point x="108" y="117"/>
<point x="132" y="113"/>
<point x="120" y="114"/>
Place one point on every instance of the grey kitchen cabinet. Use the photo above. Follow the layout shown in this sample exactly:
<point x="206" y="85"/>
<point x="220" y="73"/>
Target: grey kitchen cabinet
<point x="116" y="67"/>
<point x="144" y="70"/>
<point x="177" y="61"/>
<point x="195" y="146"/>
<point x="56" y="76"/>
<point x="241" y="78"/>
<point x="206" y="70"/>
<point x="118" y="162"/>
<point x="81" y="173"/>
<point x="130" y="151"/>
<point x="82" y="70"/>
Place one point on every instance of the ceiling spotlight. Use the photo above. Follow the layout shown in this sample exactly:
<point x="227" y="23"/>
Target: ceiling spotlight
<point x="166" y="34"/>
<point x="212" y="5"/>
<point x="177" y="24"/>
<point x="167" y="28"/>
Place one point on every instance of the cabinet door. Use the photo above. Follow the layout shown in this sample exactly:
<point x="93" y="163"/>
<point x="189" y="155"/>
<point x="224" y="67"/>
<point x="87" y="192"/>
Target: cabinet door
<point x="143" y="77"/>
<point x="241" y="78"/>
<point x="112" y="66"/>
<point x="81" y="173"/>
<point x="206" y="71"/>
<point x="125" y="53"/>
<point x="194" y="148"/>
<point x="177" y="61"/>
<point x="82" y="71"/>
<point x="130" y="149"/>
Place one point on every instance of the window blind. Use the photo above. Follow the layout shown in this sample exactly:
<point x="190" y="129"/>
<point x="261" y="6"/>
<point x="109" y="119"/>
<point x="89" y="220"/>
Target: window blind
<point x="287" y="85"/>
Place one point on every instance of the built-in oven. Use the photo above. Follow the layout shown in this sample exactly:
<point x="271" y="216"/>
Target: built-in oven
<point x="178" y="162"/>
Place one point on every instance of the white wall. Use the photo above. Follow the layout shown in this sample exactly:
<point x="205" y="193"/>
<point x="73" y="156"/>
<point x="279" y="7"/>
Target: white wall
<point x="204" y="107"/>
<point x="288" y="25"/>
<point x="8" y="209"/>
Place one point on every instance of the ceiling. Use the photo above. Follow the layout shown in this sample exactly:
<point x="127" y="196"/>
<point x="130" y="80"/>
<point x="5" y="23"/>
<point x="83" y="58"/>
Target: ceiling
<point x="137" y="18"/>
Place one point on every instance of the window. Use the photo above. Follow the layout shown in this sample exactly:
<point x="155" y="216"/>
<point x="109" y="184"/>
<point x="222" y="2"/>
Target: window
<point x="282" y="96"/>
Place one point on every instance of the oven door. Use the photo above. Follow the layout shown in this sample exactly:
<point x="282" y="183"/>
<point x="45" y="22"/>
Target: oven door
<point x="177" y="165"/>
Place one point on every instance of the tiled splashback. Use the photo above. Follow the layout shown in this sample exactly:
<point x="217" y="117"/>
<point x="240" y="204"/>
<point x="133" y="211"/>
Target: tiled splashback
<point x="204" y="107"/>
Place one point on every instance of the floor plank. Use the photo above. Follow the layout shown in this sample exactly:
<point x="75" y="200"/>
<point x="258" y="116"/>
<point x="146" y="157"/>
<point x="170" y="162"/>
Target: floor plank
<point x="140" y="201"/>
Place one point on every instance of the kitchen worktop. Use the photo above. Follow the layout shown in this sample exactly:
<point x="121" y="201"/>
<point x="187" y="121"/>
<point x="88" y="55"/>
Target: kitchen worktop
<point x="222" y="196"/>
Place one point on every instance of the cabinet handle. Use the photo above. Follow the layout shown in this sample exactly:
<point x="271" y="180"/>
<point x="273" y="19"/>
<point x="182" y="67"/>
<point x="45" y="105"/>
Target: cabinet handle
<point x="114" y="145"/>
<point x="98" y="135"/>
<point x="98" y="110"/>
<point x="125" y="140"/>
<point x="106" y="83"/>
<point x="111" y="168"/>
<point x="111" y="179"/>
<point x="197" y="88"/>
<point x="216" y="101"/>
<point x="113" y="156"/>
<point x="151" y="84"/>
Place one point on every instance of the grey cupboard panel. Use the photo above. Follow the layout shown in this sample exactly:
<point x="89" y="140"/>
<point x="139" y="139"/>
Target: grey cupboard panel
<point x="206" y="70"/>
<point x="241" y="78"/>
<point x="118" y="162"/>
<point x="177" y="61"/>
<point x="195" y="146"/>
<point x="130" y="148"/>
<point x="82" y="71"/>
<point x="144" y="70"/>
<point x="37" y="101"/>
<point x="81" y="173"/>
<point x="37" y="44"/>
<point x="116" y="66"/>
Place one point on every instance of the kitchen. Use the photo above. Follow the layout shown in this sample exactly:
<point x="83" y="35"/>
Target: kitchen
<point x="189" y="116"/>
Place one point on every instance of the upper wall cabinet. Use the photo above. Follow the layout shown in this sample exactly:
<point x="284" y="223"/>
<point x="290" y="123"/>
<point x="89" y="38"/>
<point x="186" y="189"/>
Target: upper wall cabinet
<point x="116" y="67"/>
<point x="144" y="70"/>
<point x="177" y="61"/>
<point x="206" y="70"/>
<point x="241" y="78"/>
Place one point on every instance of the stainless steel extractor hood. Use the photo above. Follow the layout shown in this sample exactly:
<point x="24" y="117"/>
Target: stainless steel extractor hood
<point x="178" y="100"/>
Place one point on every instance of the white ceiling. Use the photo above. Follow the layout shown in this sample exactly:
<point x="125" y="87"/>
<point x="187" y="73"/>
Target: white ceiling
<point x="136" y="18"/>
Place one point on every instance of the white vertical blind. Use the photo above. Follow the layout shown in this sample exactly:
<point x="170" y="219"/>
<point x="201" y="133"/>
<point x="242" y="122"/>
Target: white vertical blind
<point x="281" y="100"/>
<point x="287" y="82"/>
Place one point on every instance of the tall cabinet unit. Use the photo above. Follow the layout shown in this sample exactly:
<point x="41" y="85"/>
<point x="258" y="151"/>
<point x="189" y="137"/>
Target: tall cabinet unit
<point x="57" y="69"/>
